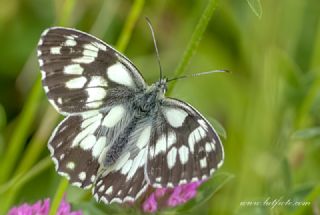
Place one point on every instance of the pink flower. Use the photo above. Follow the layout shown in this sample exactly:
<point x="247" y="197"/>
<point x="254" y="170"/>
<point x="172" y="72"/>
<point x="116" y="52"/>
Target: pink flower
<point x="40" y="208"/>
<point x="150" y="205"/>
<point x="171" y="196"/>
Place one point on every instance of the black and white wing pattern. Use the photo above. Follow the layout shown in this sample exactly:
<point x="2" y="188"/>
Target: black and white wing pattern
<point x="184" y="147"/>
<point x="92" y="84"/>
<point x="119" y="134"/>
<point x="81" y="72"/>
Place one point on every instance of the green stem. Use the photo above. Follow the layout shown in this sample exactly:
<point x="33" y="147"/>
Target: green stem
<point x="131" y="21"/>
<point x="9" y="190"/>
<point x="58" y="196"/>
<point x="16" y="144"/>
<point x="194" y="41"/>
<point x="304" y="110"/>
<point x="67" y="9"/>
<point x="37" y="143"/>
<point x="312" y="197"/>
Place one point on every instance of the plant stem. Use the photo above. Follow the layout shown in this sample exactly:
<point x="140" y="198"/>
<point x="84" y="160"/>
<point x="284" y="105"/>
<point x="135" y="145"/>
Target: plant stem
<point x="194" y="41"/>
<point x="131" y="21"/>
<point x="58" y="196"/>
<point x="16" y="144"/>
<point x="9" y="190"/>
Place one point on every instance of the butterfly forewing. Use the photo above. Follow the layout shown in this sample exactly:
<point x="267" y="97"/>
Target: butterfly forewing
<point x="184" y="147"/>
<point x="80" y="72"/>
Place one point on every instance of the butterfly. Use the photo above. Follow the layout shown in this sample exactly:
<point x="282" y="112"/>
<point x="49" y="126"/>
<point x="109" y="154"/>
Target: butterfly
<point x="119" y="134"/>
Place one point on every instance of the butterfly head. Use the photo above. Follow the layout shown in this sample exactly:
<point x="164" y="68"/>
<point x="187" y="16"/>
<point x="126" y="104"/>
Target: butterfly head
<point x="161" y="85"/>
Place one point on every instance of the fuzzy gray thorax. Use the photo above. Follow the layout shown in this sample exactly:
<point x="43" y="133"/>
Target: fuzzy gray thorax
<point x="145" y="106"/>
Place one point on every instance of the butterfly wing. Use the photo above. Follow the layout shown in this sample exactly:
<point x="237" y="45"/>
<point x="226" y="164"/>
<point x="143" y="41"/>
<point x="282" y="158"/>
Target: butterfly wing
<point x="125" y="180"/>
<point x="184" y="147"/>
<point x="81" y="72"/>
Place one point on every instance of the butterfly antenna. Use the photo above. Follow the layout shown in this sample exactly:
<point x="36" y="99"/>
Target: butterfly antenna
<point x="197" y="74"/>
<point x="155" y="45"/>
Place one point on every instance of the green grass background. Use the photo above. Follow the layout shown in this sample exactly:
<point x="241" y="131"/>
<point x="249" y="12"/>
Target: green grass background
<point x="267" y="109"/>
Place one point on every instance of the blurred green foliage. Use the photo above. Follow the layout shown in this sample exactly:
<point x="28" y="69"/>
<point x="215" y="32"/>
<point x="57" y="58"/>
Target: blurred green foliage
<point x="268" y="106"/>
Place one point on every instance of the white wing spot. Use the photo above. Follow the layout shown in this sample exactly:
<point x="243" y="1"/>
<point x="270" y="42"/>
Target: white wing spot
<point x="104" y="200"/>
<point x="83" y="59"/>
<point x="70" y="165"/>
<point x="109" y="190"/>
<point x="90" y="53"/>
<point x="195" y="136"/>
<point x="160" y="145"/>
<point x="170" y="185"/>
<point x="203" y="124"/>
<point x="70" y="42"/>
<point x="64" y="174"/>
<point x="73" y="69"/>
<point x="100" y="46"/>
<point x="46" y="89"/>
<point x="184" y="154"/>
<point x="172" y="139"/>
<point x="212" y="171"/>
<point x="88" y="142"/>
<point x="101" y="188"/>
<point x="172" y="157"/>
<point x="39" y="53"/>
<point x="114" y="116"/>
<point x="59" y="100"/>
<point x="125" y="169"/>
<point x="93" y="177"/>
<point x="91" y="47"/>
<point x="209" y="147"/>
<point x="94" y="104"/>
<point x="97" y="81"/>
<point x="89" y="120"/>
<point x="98" y="147"/>
<point x="175" y="117"/>
<point x="82" y="176"/>
<point x="183" y="181"/>
<point x="120" y="75"/>
<point x="99" y="182"/>
<point x="203" y="162"/>
<point x="40" y="62"/>
<point x="144" y="137"/>
<point x="95" y="94"/>
<point x="88" y="130"/>
<point x="40" y="42"/>
<point x="55" y="50"/>
<point x="43" y="74"/>
<point x="76" y="83"/>
<point x="158" y="179"/>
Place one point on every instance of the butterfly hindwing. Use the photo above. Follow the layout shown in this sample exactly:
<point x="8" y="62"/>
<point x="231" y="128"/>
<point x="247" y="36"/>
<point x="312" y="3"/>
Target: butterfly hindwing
<point x="81" y="72"/>
<point x="79" y="143"/>
<point x="73" y="158"/>
<point x="184" y="147"/>
<point x="125" y="180"/>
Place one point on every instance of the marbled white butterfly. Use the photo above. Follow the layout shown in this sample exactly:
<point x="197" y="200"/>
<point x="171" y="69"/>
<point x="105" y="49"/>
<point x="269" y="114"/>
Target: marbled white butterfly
<point x="119" y="134"/>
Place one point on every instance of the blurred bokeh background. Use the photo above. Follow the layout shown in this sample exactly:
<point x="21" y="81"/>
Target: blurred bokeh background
<point x="268" y="108"/>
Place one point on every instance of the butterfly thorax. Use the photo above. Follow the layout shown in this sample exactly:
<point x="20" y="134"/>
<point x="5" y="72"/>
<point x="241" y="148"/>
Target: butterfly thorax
<point x="146" y="102"/>
<point x="145" y="105"/>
